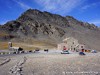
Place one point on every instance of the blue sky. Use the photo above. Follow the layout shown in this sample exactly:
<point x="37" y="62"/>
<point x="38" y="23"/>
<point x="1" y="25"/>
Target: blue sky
<point x="83" y="10"/>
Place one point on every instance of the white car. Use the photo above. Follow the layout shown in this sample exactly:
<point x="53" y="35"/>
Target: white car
<point x="65" y="52"/>
<point x="93" y="51"/>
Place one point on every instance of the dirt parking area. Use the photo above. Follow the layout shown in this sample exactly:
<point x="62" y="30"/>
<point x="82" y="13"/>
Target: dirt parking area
<point x="53" y="64"/>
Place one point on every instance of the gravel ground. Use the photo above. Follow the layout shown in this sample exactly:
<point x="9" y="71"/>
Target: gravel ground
<point x="52" y="64"/>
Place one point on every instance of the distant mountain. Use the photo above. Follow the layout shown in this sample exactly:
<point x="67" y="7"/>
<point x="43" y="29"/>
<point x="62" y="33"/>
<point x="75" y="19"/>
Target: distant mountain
<point x="52" y="28"/>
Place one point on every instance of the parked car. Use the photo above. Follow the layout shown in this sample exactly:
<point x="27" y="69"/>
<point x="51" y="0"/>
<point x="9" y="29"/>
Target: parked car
<point x="65" y="52"/>
<point x="81" y="53"/>
<point x="46" y="50"/>
<point x="23" y="51"/>
<point x="36" y="50"/>
<point x="30" y="51"/>
<point x="94" y="51"/>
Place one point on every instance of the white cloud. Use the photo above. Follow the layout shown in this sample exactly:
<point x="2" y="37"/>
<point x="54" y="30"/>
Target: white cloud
<point x="22" y="5"/>
<point x="90" y="5"/>
<point x="59" y="6"/>
<point x="96" y="22"/>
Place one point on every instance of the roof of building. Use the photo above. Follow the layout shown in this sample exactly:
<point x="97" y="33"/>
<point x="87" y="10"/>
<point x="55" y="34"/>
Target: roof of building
<point x="15" y="47"/>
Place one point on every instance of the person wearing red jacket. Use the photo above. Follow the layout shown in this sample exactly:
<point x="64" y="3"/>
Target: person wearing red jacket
<point x="64" y="48"/>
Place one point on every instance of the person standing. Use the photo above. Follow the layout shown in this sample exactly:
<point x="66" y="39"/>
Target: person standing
<point x="64" y="48"/>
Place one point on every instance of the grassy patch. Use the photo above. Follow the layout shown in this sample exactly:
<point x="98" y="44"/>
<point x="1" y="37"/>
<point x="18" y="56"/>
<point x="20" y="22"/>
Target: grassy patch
<point x="26" y="46"/>
<point x="3" y="45"/>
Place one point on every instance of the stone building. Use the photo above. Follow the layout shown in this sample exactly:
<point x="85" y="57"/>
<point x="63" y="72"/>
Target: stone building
<point x="71" y="44"/>
<point x="14" y="49"/>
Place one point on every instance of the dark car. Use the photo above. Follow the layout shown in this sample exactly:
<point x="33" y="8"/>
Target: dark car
<point x="30" y="51"/>
<point x="46" y="50"/>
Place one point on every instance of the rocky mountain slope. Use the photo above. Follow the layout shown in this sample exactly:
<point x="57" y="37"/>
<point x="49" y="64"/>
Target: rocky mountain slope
<point x="49" y="28"/>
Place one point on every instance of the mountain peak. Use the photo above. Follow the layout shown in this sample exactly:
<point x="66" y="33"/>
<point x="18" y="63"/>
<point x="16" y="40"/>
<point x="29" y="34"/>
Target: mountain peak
<point x="51" y="27"/>
<point x="32" y="10"/>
